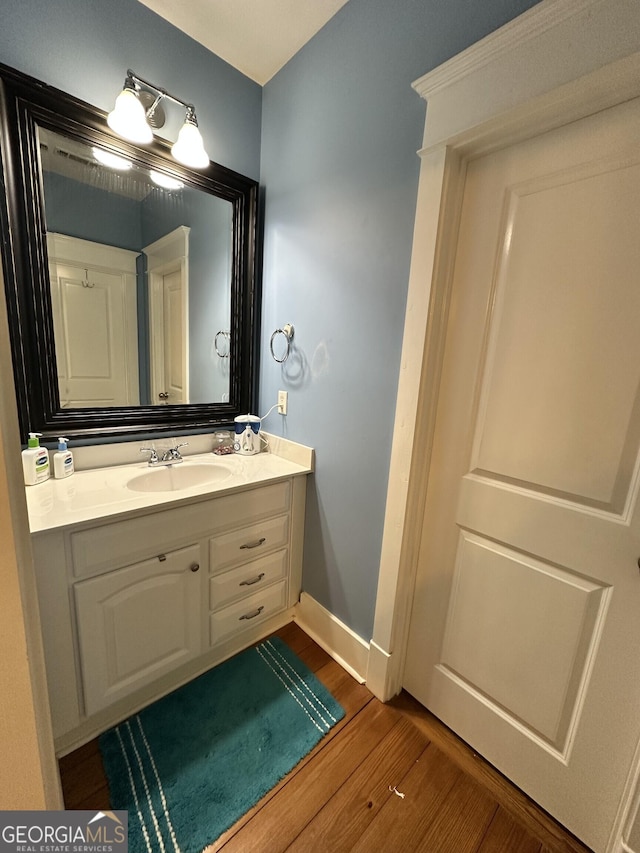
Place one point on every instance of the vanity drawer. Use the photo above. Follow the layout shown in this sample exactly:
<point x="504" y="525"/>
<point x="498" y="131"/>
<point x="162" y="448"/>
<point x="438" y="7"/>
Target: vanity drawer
<point x="246" y="579"/>
<point x="111" y="546"/>
<point x="243" y="614"/>
<point x="247" y="543"/>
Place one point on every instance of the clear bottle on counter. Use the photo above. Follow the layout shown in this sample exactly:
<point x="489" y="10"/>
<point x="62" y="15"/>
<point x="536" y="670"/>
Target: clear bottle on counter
<point x="222" y="443"/>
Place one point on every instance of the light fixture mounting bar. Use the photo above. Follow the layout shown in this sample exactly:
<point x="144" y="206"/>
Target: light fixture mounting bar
<point x="160" y="93"/>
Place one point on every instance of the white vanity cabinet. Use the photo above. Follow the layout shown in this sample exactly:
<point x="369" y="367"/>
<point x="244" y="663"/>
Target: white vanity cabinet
<point x="131" y="608"/>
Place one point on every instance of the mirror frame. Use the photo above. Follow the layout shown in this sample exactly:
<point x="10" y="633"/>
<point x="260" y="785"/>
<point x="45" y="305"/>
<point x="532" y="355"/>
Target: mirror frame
<point x="26" y="104"/>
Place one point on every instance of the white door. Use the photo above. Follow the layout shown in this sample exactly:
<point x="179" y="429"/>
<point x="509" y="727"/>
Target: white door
<point x="525" y="627"/>
<point x="94" y="302"/>
<point x="90" y="321"/>
<point x="168" y="324"/>
<point x="174" y="355"/>
<point x="168" y="272"/>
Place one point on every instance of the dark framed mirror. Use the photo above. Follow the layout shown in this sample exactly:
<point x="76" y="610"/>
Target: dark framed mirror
<point x="132" y="282"/>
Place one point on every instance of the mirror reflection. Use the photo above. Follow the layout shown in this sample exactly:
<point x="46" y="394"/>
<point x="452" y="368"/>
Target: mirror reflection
<point x="141" y="276"/>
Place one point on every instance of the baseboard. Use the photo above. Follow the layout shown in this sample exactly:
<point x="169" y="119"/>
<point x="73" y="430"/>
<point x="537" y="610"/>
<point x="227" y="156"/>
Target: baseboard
<point x="339" y="641"/>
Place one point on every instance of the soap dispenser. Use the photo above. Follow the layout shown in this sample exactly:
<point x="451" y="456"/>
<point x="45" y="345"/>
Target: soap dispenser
<point x="35" y="461"/>
<point x="62" y="460"/>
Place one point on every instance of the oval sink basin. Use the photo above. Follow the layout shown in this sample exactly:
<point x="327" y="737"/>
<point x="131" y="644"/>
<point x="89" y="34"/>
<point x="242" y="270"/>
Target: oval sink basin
<point x="172" y="478"/>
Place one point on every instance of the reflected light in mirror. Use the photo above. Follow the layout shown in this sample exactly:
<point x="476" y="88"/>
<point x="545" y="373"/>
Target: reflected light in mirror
<point x="113" y="161"/>
<point x="165" y="181"/>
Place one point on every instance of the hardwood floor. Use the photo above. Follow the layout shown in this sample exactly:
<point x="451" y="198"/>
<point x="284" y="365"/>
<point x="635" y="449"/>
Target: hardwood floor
<point x="387" y="778"/>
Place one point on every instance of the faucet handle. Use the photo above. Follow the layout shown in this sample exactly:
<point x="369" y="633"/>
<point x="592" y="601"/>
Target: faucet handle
<point x="154" y="454"/>
<point x="173" y="454"/>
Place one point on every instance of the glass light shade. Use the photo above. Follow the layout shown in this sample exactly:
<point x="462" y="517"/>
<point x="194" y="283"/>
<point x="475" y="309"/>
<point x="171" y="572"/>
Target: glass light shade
<point x="128" y="118"/>
<point x="189" y="147"/>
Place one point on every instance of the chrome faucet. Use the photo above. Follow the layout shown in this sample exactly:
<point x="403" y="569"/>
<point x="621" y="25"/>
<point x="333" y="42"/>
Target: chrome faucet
<point x="169" y="457"/>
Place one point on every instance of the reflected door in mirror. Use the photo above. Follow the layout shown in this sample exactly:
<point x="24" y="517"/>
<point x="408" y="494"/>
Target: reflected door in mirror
<point x="168" y="277"/>
<point x="93" y="294"/>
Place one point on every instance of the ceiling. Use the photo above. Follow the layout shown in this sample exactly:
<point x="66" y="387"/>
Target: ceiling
<point x="257" y="37"/>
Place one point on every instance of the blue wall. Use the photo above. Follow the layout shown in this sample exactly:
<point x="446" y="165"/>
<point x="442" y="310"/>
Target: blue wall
<point x="89" y="213"/>
<point x="341" y="127"/>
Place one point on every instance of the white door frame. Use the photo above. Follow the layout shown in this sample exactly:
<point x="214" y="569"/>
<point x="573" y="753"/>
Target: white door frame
<point x="516" y="83"/>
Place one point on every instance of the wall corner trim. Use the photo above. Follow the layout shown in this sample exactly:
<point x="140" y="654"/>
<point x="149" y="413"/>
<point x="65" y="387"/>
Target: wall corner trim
<point x="382" y="679"/>
<point x="336" y="638"/>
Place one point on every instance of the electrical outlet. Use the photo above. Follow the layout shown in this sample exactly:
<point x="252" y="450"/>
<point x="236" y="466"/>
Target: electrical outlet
<point x="282" y="402"/>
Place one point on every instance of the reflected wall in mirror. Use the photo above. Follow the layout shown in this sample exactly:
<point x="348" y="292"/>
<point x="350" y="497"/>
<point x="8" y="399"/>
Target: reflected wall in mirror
<point x="131" y="281"/>
<point x="140" y="268"/>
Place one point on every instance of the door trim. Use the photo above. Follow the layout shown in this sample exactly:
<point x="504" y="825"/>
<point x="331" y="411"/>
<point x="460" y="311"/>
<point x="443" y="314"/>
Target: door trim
<point x="487" y="97"/>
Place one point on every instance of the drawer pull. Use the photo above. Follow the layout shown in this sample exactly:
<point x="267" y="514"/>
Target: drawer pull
<point x="252" y="615"/>
<point x="256" y="544"/>
<point x="194" y="567"/>
<point x="257" y="579"/>
<point x="162" y="558"/>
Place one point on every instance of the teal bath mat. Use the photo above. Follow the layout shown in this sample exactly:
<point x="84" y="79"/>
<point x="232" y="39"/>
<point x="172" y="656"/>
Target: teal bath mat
<point x="187" y="767"/>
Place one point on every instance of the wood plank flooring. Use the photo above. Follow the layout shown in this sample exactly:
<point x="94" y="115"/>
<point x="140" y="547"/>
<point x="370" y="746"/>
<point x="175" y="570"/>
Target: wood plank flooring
<point x="387" y="778"/>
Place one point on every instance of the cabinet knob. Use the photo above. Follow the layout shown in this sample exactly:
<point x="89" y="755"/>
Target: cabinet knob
<point x="194" y="567"/>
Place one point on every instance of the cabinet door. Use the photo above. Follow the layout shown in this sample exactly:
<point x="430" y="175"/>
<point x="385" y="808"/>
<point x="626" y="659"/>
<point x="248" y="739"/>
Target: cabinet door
<point x="138" y="623"/>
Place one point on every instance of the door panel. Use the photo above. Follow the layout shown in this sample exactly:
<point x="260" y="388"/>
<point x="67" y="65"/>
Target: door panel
<point x="168" y="316"/>
<point x="174" y="350"/>
<point x="566" y="308"/>
<point x="524" y="621"/>
<point x="533" y="668"/>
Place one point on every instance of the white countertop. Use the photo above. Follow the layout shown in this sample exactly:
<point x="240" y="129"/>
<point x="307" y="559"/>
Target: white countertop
<point x="104" y="492"/>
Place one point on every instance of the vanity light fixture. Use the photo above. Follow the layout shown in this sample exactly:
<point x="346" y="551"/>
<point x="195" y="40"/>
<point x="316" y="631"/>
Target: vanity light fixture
<point x="137" y="110"/>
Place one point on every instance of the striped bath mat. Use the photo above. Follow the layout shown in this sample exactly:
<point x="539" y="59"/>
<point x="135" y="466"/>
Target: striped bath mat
<point x="188" y="766"/>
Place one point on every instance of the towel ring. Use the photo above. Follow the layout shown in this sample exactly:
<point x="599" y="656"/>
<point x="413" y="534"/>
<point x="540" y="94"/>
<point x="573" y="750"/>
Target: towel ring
<point x="287" y="331"/>
<point x="227" y="337"/>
